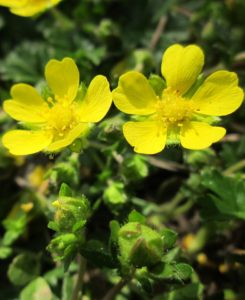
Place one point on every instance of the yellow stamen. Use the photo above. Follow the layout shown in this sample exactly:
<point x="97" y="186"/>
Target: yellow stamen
<point x="172" y="109"/>
<point x="61" y="119"/>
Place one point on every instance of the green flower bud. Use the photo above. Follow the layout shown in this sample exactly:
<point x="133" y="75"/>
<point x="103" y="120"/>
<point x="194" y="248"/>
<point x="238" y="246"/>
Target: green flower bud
<point x="72" y="213"/>
<point x="65" y="245"/>
<point x="139" y="245"/>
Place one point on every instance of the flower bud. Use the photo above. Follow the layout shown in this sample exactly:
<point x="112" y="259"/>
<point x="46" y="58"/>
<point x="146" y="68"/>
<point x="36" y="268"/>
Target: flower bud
<point x="64" y="245"/>
<point x="139" y="245"/>
<point x="71" y="214"/>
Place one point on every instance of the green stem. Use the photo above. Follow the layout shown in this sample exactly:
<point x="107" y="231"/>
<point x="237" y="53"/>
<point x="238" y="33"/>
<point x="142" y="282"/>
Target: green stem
<point x="171" y="205"/>
<point x="158" y="32"/>
<point x="183" y="208"/>
<point x="236" y="167"/>
<point x="77" y="292"/>
<point x="116" y="289"/>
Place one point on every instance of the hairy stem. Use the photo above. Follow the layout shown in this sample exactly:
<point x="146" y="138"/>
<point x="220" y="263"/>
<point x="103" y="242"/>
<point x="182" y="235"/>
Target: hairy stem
<point x="116" y="289"/>
<point x="77" y="292"/>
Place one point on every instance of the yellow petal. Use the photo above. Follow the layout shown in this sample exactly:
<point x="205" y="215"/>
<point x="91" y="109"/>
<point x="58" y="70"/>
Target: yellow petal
<point x="134" y="95"/>
<point x="97" y="101"/>
<point x="146" y="137"/>
<point x="69" y="138"/>
<point x="198" y="135"/>
<point x="181" y="66"/>
<point x="26" y="105"/>
<point x="63" y="78"/>
<point x="24" y="142"/>
<point x="219" y="95"/>
<point x="12" y="3"/>
<point x="33" y="7"/>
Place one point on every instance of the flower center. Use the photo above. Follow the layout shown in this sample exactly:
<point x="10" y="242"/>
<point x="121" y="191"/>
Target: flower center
<point x="61" y="118"/>
<point x="172" y="109"/>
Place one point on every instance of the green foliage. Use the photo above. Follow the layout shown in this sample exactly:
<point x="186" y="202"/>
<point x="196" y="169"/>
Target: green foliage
<point x="120" y="220"/>
<point x="37" y="290"/>
<point x="227" y="198"/>
<point x="114" y="194"/>
<point x="65" y="171"/>
<point x="99" y="256"/>
<point x="172" y="271"/>
<point x="191" y="291"/>
<point x="24" y="268"/>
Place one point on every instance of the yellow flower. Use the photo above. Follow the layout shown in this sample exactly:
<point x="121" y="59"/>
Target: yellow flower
<point x="28" y="8"/>
<point x="173" y="115"/>
<point x="59" y="120"/>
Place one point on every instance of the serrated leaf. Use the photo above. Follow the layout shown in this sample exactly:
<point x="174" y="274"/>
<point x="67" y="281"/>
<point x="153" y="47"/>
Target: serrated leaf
<point x="172" y="272"/>
<point x="227" y="199"/>
<point x="169" y="238"/>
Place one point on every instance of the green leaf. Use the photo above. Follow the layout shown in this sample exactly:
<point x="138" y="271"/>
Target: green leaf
<point x="157" y="83"/>
<point x="81" y="92"/>
<point x="135" y="216"/>
<point x="26" y="62"/>
<point x="38" y="289"/>
<point x="96" y="253"/>
<point x="65" y="190"/>
<point x="54" y="275"/>
<point x="172" y="255"/>
<point x="114" y="195"/>
<point x="192" y="291"/>
<point x="227" y="198"/>
<point x="134" y="167"/>
<point x="169" y="238"/>
<point x="115" y="227"/>
<point x="24" y="268"/>
<point x="195" y="86"/>
<point x="5" y="252"/>
<point x="77" y="145"/>
<point x="15" y="227"/>
<point x="183" y="271"/>
<point x="146" y="284"/>
<point x="172" y="272"/>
